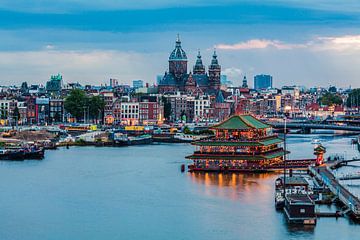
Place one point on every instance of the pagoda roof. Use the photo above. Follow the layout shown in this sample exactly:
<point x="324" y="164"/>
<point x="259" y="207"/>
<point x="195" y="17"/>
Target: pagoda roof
<point x="265" y="142"/>
<point x="239" y="157"/>
<point x="241" y="122"/>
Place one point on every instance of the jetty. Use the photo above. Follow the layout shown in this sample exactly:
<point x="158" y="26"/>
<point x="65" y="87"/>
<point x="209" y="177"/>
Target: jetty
<point x="324" y="174"/>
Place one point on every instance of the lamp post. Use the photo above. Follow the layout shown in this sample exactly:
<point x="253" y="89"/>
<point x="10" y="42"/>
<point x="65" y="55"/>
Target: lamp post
<point x="286" y="113"/>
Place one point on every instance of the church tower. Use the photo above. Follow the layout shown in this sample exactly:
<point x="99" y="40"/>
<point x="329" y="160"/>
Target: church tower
<point x="178" y="61"/>
<point x="214" y="72"/>
<point x="244" y="84"/>
<point x="199" y="68"/>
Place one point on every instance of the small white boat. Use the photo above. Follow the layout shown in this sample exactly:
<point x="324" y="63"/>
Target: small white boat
<point x="315" y="141"/>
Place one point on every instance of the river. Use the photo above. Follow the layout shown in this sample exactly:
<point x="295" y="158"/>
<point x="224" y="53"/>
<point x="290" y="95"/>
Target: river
<point x="138" y="192"/>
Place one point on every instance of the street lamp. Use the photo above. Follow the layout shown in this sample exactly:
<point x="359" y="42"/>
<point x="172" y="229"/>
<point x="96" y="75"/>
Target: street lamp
<point x="286" y="114"/>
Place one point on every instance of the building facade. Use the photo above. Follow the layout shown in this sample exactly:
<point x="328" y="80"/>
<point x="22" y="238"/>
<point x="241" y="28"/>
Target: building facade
<point x="263" y="81"/>
<point x="177" y="78"/>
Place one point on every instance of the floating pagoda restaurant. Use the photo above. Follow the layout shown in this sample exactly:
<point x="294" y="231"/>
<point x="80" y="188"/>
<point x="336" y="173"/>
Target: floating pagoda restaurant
<point x="241" y="143"/>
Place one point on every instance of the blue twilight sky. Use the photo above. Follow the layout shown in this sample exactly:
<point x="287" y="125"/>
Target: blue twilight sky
<point x="303" y="42"/>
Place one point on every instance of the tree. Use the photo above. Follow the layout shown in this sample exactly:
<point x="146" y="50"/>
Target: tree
<point x="167" y="108"/>
<point x="16" y="113"/>
<point x="330" y="99"/>
<point x="96" y="105"/>
<point x="75" y="103"/>
<point x="353" y="99"/>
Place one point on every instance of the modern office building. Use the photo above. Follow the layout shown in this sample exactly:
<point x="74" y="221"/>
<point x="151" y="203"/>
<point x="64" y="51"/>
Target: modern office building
<point x="263" y="81"/>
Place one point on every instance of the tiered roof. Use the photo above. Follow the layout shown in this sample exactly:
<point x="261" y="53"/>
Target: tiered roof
<point x="264" y="142"/>
<point x="241" y="122"/>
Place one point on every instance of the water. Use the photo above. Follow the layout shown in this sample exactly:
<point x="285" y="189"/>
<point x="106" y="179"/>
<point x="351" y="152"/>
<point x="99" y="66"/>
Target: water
<point x="138" y="192"/>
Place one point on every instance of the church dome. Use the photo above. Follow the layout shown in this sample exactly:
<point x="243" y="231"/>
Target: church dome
<point x="178" y="53"/>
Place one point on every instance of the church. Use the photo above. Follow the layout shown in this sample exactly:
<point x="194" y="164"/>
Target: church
<point x="177" y="77"/>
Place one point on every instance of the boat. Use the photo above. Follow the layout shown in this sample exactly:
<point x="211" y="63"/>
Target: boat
<point x="34" y="153"/>
<point x="22" y="153"/>
<point x="300" y="209"/>
<point x="316" y="141"/>
<point x="138" y="140"/>
<point x="11" y="154"/>
<point x="293" y="185"/>
<point x="125" y="140"/>
<point x="182" y="137"/>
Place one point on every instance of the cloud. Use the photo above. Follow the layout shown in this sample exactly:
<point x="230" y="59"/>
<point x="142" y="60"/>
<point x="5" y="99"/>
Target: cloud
<point x="344" y="43"/>
<point x="259" y="44"/>
<point x="233" y="73"/>
<point x="340" y="43"/>
<point x="86" y="67"/>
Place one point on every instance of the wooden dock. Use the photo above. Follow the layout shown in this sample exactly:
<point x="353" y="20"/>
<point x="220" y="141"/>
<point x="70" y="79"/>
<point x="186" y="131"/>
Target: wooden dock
<point x="352" y="202"/>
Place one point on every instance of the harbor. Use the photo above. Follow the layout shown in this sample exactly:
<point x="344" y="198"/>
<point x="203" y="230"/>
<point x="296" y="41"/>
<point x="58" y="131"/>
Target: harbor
<point x="134" y="189"/>
<point x="307" y="188"/>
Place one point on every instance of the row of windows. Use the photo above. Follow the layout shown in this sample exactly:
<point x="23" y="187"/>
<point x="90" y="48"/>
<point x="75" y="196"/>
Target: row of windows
<point x="129" y="116"/>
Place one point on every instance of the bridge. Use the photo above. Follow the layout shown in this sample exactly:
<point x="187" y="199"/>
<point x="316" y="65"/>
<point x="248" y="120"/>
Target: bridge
<point x="306" y="127"/>
<point x="341" y="162"/>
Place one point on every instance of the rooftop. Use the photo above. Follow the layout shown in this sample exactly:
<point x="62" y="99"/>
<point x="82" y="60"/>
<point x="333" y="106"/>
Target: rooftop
<point x="241" y="122"/>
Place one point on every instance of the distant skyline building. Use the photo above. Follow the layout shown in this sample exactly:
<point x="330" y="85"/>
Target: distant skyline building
<point x="114" y="82"/>
<point x="263" y="81"/>
<point x="138" y="83"/>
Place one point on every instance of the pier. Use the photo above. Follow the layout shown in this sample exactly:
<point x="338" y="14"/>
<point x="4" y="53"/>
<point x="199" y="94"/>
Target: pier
<point x="352" y="202"/>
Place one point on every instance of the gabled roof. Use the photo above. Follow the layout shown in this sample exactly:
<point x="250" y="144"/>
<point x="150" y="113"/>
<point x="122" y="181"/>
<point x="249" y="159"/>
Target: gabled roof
<point x="241" y="122"/>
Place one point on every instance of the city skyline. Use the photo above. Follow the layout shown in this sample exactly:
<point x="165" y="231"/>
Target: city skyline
<point x="300" y="43"/>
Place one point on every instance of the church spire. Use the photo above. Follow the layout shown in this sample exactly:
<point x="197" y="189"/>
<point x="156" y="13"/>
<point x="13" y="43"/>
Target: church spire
<point x="214" y="72"/>
<point x="214" y="60"/>
<point x="199" y="68"/>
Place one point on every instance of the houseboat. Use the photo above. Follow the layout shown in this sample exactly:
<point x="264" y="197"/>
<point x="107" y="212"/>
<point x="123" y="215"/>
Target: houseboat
<point x="300" y="209"/>
<point x="293" y="185"/>
<point x="242" y="143"/>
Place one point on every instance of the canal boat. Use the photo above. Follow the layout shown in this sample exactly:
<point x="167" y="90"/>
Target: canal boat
<point x="182" y="137"/>
<point x="139" y="140"/>
<point x="300" y="209"/>
<point x="125" y="140"/>
<point x="293" y="185"/>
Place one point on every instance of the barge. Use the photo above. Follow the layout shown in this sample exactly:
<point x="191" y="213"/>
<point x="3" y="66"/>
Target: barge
<point x="22" y="154"/>
<point x="300" y="209"/>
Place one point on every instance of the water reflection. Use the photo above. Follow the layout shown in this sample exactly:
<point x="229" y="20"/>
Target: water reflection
<point x="300" y="229"/>
<point x="229" y="179"/>
<point x="234" y="186"/>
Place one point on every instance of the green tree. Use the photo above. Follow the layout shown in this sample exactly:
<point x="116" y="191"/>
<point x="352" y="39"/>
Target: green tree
<point x="16" y="114"/>
<point x="75" y="103"/>
<point x="96" y="106"/>
<point x="353" y="99"/>
<point x="167" y="108"/>
<point x="329" y="99"/>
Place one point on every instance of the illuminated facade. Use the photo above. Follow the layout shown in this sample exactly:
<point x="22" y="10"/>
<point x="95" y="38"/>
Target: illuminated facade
<point x="241" y="143"/>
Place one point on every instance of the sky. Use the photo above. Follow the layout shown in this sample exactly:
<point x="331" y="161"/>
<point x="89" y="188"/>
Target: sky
<point x="310" y="43"/>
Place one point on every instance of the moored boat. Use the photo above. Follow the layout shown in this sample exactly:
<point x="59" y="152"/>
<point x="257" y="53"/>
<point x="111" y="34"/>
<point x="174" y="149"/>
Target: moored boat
<point x="19" y="154"/>
<point x="138" y="140"/>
